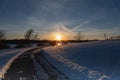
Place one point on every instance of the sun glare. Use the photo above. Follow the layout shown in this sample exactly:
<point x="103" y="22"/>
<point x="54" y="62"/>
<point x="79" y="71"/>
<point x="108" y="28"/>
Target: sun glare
<point x="58" y="37"/>
<point x="58" y="44"/>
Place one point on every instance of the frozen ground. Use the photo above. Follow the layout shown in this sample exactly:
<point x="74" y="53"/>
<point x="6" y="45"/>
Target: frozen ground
<point x="98" y="60"/>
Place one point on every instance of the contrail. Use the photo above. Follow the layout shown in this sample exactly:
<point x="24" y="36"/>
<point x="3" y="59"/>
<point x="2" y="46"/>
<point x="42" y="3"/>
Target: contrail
<point x="67" y="31"/>
<point x="81" y="25"/>
<point x="64" y="28"/>
<point x="72" y="31"/>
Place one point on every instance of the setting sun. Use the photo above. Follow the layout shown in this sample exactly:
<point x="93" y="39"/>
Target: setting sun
<point x="58" y="37"/>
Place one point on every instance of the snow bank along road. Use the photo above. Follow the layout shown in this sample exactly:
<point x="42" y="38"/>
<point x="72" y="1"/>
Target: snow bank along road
<point x="22" y="68"/>
<point x="32" y="65"/>
<point x="98" y="60"/>
<point x="6" y="58"/>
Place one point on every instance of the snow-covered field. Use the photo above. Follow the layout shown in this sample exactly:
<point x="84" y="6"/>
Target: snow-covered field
<point x="98" y="60"/>
<point x="7" y="56"/>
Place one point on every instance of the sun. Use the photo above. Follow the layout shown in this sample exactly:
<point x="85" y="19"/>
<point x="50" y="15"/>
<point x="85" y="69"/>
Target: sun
<point x="58" y="37"/>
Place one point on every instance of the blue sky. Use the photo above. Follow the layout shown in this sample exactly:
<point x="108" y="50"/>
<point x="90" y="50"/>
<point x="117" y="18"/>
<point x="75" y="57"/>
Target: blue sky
<point x="90" y="17"/>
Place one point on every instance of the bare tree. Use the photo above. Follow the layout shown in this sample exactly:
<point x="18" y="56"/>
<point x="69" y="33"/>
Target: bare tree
<point x="28" y="35"/>
<point x="35" y="36"/>
<point x="2" y="34"/>
<point x="105" y="35"/>
<point x="79" y="36"/>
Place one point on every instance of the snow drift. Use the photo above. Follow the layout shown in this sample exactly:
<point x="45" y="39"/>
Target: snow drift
<point x="98" y="60"/>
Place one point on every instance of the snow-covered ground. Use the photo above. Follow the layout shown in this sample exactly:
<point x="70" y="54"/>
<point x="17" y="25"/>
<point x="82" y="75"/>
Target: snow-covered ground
<point x="7" y="56"/>
<point x="98" y="60"/>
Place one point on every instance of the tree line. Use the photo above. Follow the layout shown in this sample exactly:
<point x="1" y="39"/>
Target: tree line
<point x="32" y="35"/>
<point x="29" y="35"/>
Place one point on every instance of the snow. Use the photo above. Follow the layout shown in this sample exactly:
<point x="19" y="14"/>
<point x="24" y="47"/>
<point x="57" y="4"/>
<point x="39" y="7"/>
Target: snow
<point x="9" y="51"/>
<point x="7" y="56"/>
<point x="40" y="72"/>
<point x="99" y="60"/>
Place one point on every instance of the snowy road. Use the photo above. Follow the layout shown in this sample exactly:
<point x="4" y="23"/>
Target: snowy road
<point x="6" y="58"/>
<point x="22" y="68"/>
<point x="32" y="65"/>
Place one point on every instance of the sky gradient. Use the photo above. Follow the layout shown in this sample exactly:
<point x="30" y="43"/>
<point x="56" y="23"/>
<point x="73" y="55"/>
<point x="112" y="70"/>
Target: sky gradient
<point x="48" y="17"/>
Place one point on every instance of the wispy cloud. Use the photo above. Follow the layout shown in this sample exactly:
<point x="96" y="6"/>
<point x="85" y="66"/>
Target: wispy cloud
<point x="53" y="6"/>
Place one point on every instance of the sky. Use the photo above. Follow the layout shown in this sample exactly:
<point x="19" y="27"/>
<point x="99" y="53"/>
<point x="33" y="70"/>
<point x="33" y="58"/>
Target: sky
<point x="92" y="18"/>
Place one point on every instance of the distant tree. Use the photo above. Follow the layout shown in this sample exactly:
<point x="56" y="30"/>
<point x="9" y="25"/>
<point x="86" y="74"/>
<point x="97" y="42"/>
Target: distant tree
<point x="28" y="35"/>
<point x="3" y="44"/>
<point x="115" y="37"/>
<point x="35" y="36"/>
<point x="79" y="36"/>
<point x="2" y="34"/>
<point x="105" y="35"/>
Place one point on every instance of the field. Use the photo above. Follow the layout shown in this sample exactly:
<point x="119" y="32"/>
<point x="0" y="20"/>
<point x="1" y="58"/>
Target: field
<point x="99" y="60"/>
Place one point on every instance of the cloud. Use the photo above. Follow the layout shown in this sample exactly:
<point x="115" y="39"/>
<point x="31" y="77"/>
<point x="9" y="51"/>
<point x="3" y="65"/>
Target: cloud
<point x="53" y="6"/>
